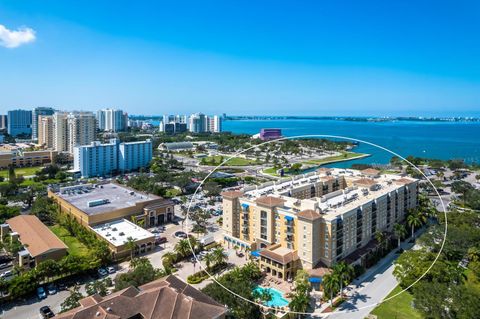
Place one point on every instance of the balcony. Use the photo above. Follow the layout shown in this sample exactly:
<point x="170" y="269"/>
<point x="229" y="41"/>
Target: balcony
<point x="289" y="238"/>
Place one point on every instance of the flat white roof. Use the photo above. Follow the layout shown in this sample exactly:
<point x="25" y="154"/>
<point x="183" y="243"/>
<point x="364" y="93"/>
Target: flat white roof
<point x="116" y="232"/>
<point x="332" y="204"/>
<point x="118" y="197"/>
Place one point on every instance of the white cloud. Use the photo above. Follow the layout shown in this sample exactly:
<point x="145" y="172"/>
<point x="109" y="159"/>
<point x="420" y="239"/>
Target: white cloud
<point x="15" y="38"/>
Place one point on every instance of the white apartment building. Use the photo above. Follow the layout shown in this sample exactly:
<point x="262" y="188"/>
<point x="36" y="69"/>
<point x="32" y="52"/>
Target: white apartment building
<point x="112" y="120"/>
<point x="99" y="159"/>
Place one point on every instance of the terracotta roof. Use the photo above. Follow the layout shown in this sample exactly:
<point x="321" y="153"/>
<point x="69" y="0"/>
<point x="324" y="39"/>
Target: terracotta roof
<point x="365" y="181"/>
<point x="404" y="181"/>
<point x="283" y="259"/>
<point x="161" y="299"/>
<point x="232" y="194"/>
<point x="324" y="169"/>
<point x="309" y="214"/>
<point x="370" y="171"/>
<point x="35" y="235"/>
<point x="319" y="271"/>
<point x="270" y="201"/>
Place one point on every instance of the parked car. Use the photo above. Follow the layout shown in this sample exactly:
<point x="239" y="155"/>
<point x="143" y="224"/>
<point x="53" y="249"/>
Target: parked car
<point x="5" y="265"/>
<point x="51" y="289"/>
<point x="111" y="270"/>
<point x="41" y="293"/>
<point x="160" y="240"/>
<point x="46" y="312"/>
<point x="62" y="286"/>
<point x="6" y="274"/>
<point x="102" y="272"/>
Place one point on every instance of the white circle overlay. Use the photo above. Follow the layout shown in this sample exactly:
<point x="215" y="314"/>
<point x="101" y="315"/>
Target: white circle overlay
<point x="319" y="315"/>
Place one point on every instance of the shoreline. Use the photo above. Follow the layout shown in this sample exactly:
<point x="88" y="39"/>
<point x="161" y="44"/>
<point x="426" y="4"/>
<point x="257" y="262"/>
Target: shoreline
<point x="316" y="166"/>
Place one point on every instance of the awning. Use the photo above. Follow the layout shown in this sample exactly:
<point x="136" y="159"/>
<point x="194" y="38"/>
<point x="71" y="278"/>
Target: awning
<point x="255" y="253"/>
<point x="288" y="218"/>
<point x="245" y="206"/>
<point x="315" y="280"/>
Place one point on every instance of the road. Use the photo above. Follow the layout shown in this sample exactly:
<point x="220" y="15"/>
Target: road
<point x="369" y="293"/>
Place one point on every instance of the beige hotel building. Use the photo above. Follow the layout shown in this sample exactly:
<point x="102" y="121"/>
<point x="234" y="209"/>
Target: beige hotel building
<point x="314" y="220"/>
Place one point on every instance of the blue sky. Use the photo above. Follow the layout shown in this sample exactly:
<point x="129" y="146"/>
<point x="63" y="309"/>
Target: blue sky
<point x="243" y="57"/>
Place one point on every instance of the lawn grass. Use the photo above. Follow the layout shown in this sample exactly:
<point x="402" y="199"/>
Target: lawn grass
<point x="399" y="307"/>
<point x="271" y="171"/>
<point x="172" y="192"/>
<point x="336" y="158"/>
<point x="235" y="161"/>
<point x="24" y="171"/>
<point x="75" y="247"/>
<point x="345" y="156"/>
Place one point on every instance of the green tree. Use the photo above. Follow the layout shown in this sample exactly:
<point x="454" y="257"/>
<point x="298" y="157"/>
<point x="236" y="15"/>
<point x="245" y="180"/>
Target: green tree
<point x="473" y="254"/>
<point x="399" y="231"/>
<point x="72" y="301"/>
<point x="142" y="273"/>
<point x="131" y="246"/>
<point x="331" y="285"/>
<point x="182" y="248"/>
<point x="301" y="295"/>
<point x="381" y="239"/>
<point x="345" y="272"/>
<point x="415" y="219"/>
<point x="48" y="269"/>
<point x="212" y="188"/>
<point x="168" y="259"/>
<point x="209" y="259"/>
<point x="241" y="281"/>
<point x="44" y="208"/>
<point x="219" y="256"/>
<point x="11" y="173"/>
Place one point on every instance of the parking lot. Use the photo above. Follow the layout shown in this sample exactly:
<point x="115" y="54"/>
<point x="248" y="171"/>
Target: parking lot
<point x="29" y="307"/>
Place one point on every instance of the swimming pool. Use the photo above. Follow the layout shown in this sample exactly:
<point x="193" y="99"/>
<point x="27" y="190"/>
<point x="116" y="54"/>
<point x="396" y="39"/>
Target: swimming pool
<point x="277" y="299"/>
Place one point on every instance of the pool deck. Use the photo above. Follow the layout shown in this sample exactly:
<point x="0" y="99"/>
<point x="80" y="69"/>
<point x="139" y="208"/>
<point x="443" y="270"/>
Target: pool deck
<point x="278" y="284"/>
<point x="276" y="295"/>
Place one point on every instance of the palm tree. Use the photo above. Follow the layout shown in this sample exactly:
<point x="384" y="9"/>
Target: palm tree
<point x="182" y="248"/>
<point x="194" y="243"/>
<point x="345" y="272"/>
<point x="381" y="238"/>
<point x="131" y="245"/>
<point x="247" y="252"/>
<point x="399" y="231"/>
<point x="331" y="284"/>
<point x="219" y="256"/>
<point x="168" y="258"/>
<point x="415" y="219"/>
<point x="440" y="174"/>
<point x="209" y="260"/>
<point x="299" y="303"/>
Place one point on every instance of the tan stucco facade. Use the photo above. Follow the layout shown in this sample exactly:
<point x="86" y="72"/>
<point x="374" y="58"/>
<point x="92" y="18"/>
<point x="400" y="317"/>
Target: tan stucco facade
<point x="317" y="237"/>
